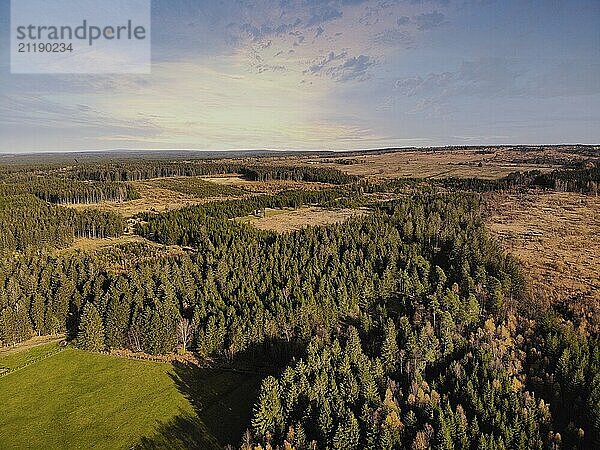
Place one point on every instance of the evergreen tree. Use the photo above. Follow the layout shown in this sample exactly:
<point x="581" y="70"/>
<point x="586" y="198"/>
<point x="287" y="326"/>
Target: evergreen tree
<point x="91" y="329"/>
<point x="268" y="413"/>
<point x="389" y="349"/>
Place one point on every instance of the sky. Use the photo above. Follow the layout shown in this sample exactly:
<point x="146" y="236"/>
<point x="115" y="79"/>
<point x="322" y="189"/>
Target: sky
<point x="339" y="74"/>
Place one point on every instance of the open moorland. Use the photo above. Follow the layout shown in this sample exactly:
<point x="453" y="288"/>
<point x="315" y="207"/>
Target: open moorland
<point x="557" y="238"/>
<point x="483" y="162"/>
<point x="286" y="220"/>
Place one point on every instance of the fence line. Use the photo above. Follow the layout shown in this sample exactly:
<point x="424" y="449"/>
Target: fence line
<point x="140" y="357"/>
<point x="215" y="366"/>
<point x="6" y="370"/>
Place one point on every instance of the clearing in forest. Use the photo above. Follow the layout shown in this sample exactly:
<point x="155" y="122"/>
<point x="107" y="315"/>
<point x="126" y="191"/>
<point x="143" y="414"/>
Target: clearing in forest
<point x="286" y="220"/>
<point x="155" y="197"/>
<point x="264" y="187"/>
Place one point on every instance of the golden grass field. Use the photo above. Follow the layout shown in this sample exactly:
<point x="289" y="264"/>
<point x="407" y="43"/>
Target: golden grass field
<point x="286" y="220"/>
<point x="158" y="199"/>
<point x="557" y="238"/>
<point x="435" y="163"/>
<point x="463" y="164"/>
<point x="153" y="199"/>
<point x="263" y="187"/>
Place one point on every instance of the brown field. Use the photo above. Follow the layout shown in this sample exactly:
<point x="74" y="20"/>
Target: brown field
<point x="89" y="244"/>
<point x="153" y="199"/>
<point x="487" y="163"/>
<point x="438" y="164"/>
<point x="263" y="187"/>
<point x="286" y="220"/>
<point x="557" y="238"/>
<point x="157" y="199"/>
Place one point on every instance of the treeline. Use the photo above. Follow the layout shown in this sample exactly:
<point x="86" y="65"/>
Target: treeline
<point x="27" y="221"/>
<point x="142" y="170"/>
<point x="190" y="226"/>
<point x="59" y="190"/>
<point x="512" y="181"/>
<point x="63" y="191"/>
<point x="298" y="173"/>
<point x="584" y="179"/>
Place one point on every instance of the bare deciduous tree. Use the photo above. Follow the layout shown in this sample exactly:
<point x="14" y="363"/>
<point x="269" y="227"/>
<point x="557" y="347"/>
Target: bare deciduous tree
<point x="184" y="333"/>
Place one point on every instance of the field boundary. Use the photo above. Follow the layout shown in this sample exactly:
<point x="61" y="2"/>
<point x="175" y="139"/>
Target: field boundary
<point x="193" y="359"/>
<point x="6" y="370"/>
<point x="144" y="357"/>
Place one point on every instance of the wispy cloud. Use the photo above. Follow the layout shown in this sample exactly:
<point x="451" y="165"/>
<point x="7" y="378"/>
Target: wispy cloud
<point x="427" y="21"/>
<point x="339" y="73"/>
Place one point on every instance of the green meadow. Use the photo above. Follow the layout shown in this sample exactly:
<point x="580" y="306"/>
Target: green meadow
<point x="75" y="399"/>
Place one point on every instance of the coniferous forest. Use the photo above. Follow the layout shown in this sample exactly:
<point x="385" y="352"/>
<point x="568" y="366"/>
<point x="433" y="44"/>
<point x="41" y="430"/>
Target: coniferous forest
<point x="408" y="327"/>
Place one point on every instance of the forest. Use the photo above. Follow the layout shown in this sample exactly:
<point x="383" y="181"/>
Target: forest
<point x="409" y="327"/>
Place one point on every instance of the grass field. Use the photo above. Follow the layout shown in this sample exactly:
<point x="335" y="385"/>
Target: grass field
<point x="13" y="357"/>
<point x="193" y="187"/>
<point x="439" y="164"/>
<point x="264" y="187"/>
<point x="557" y="238"/>
<point x="76" y="399"/>
<point x="286" y="220"/>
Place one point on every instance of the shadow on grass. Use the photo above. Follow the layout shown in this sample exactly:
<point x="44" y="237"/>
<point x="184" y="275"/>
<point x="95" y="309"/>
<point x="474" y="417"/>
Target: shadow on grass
<point x="184" y="431"/>
<point x="222" y="400"/>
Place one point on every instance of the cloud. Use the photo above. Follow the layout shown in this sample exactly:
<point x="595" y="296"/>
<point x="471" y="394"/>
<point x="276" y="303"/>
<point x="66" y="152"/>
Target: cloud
<point x="404" y="20"/>
<point x="496" y="80"/>
<point x="323" y="63"/>
<point x="341" y="67"/>
<point x="354" y="68"/>
<point x="266" y="30"/>
<point x="397" y="38"/>
<point x="428" y="21"/>
<point x="323" y="13"/>
<point x="416" y="85"/>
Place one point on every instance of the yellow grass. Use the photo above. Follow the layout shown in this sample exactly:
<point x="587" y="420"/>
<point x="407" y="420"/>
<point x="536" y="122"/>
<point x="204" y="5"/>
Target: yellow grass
<point x="557" y="237"/>
<point x="424" y="164"/>
<point x="264" y="187"/>
<point x="153" y="199"/>
<point x="286" y="220"/>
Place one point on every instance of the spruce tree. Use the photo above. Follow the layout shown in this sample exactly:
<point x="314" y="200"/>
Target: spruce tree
<point x="268" y="413"/>
<point x="91" y="330"/>
<point x="389" y="351"/>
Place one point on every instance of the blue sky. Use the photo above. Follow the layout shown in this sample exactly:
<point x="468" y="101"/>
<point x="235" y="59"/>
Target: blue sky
<point x="310" y="74"/>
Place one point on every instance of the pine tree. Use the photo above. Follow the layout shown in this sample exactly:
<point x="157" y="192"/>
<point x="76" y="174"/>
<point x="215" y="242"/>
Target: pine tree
<point x="91" y="330"/>
<point x="389" y="351"/>
<point x="348" y="433"/>
<point x="268" y="413"/>
<point x="36" y="313"/>
<point x="117" y="317"/>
